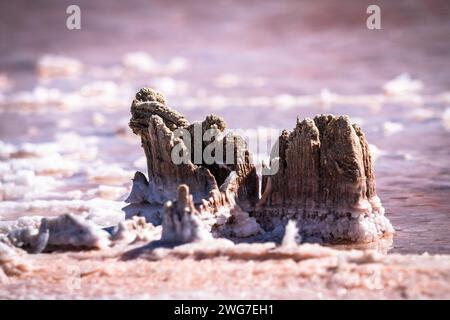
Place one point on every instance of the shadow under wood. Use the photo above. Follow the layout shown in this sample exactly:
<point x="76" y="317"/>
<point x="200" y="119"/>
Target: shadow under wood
<point x="147" y="249"/>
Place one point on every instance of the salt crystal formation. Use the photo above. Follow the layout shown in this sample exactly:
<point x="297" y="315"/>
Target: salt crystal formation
<point x="133" y="230"/>
<point x="325" y="180"/>
<point x="402" y="85"/>
<point x="180" y="223"/>
<point x="291" y="235"/>
<point x="65" y="231"/>
<point x="322" y="177"/>
<point x="57" y="66"/>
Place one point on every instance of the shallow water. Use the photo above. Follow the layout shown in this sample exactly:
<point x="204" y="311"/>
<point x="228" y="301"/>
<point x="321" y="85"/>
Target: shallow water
<point x="257" y="66"/>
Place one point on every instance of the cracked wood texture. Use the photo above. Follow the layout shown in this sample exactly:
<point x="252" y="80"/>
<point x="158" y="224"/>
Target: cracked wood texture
<point x="324" y="169"/>
<point x="155" y="123"/>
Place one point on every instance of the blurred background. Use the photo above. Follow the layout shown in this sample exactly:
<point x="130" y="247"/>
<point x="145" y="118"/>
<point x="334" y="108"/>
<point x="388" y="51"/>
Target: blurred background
<point x="65" y="94"/>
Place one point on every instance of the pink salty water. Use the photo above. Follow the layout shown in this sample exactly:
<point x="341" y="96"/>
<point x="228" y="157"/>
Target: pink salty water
<point x="291" y="48"/>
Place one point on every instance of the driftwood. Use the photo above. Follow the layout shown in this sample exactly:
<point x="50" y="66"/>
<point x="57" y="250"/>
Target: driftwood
<point x="217" y="189"/>
<point x="325" y="181"/>
<point x="320" y="175"/>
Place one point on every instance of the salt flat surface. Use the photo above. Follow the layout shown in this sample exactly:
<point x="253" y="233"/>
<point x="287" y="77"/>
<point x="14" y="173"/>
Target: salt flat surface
<point x="65" y="144"/>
